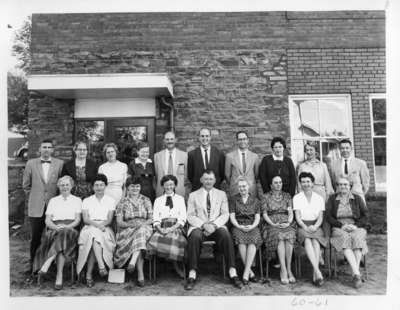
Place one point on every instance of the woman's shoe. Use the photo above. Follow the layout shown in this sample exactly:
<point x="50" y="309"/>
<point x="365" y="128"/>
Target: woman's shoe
<point x="254" y="279"/>
<point x="103" y="272"/>
<point x="140" y="283"/>
<point x="89" y="282"/>
<point x="319" y="282"/>
<point x="40" y="276"/>
<point x="285" y="281"/>
<point x="245" y="282"/>
<point x="292" y="280"/>
<point x="58" y="287"/>
<point x="357" y="282"/>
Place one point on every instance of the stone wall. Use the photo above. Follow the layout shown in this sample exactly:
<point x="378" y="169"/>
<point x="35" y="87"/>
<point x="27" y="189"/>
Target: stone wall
<point x="16" y="196"/>
<point x="355" y="71"/>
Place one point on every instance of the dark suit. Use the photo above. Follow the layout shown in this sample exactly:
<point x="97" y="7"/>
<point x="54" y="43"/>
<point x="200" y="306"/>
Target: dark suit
<point x="91" y="168"/>
<point x="196" y="167"/>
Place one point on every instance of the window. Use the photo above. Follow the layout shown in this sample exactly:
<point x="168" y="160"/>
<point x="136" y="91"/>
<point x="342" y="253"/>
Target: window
<point x="322" y="118"/>
<point x="378" y="128"/>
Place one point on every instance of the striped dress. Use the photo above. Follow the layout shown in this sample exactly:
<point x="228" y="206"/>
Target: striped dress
<point x="139" y="212"/>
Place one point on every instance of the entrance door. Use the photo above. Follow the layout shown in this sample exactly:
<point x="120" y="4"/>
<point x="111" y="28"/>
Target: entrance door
<point x="126" y="133"/>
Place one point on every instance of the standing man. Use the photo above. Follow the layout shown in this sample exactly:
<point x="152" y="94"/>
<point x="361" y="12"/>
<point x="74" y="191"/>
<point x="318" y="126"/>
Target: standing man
<point x="207" y="215"/>
<point x="241" y="162"/>
<point x="205" y="157"/>
<point x="40" y="183"/>
<point x="349" y="166"/>
<point x="171" y="161"/>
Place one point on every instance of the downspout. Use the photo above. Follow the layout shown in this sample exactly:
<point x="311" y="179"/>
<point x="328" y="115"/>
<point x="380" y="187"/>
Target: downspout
<point x="171" y="114"/>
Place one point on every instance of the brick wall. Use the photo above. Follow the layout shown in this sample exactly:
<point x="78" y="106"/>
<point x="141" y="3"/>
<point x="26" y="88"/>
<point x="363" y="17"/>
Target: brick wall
<point x="50" y="118"/>
<point x="355" y="71"/>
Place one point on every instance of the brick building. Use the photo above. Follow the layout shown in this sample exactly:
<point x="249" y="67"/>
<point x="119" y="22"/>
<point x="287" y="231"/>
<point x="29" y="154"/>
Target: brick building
<point x="125" y="77"/>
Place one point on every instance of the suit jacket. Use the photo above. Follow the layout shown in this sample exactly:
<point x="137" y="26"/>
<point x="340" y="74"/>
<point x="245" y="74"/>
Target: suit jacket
<point x="234" y="169"/>
<point x="197" y="209"/>
<point x="33" y="184"/>
<point x="180" y="171"/>
<point x="358" y="174"/>
<point x="358" y="207"/>
<point x="91" y="168"/>
<point x="196" y="167"/>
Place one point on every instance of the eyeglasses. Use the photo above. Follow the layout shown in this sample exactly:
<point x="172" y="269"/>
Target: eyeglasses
<point x="82" y="150"/>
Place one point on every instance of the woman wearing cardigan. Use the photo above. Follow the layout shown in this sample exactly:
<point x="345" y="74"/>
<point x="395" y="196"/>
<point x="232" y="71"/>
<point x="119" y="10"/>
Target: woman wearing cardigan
<point x="348" y="216"/>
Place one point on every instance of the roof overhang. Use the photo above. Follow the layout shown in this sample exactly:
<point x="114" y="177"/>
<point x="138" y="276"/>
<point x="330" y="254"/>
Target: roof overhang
<point x="119" y="85"/>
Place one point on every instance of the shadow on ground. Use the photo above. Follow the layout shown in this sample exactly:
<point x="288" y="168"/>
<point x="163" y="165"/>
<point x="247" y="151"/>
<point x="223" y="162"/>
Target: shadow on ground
<point x="210" y="282"/>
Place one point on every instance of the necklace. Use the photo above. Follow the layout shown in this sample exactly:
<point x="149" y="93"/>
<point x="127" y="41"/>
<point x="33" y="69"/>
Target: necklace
<point x="277" y="196"/>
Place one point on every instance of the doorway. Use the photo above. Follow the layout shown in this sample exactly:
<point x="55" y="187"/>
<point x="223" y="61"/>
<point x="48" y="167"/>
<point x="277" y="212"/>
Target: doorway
<point x="126" y="133"/>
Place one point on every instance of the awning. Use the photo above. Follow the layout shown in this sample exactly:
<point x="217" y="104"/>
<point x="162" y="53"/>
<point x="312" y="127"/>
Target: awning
<point x="85" y="86"/>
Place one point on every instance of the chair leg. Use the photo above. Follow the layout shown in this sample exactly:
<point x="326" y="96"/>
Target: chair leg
<point x="260" y="262"/>
<point x="154" y="268"/>
<point x="72" y="272"/>
<point x="184" y="270"/>
<point x="334" y="263"/>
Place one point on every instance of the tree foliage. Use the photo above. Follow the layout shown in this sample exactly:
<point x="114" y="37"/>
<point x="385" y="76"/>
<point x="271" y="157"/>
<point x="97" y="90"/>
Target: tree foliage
<point x="17" y="99"/>
<point x="17" y="88"/>
<point x="22" y="45"/>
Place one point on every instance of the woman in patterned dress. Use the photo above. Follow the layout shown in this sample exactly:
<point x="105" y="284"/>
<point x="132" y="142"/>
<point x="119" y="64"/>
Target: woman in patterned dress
<point x="244" y="212"/>
<point x="143" y="167"/>
<point x="97" y="240"/>
<point x="134" y="218"/>
<point x="59" y="242"/>
<point x="169" y="218"/>
<point x="322" y="184"/>
<point x="309" y="208"/>
<point x="348" y="216"/>
<point x="82" y="170"/>
<point x="115" y="171"/>
<point x="279" y="229"/>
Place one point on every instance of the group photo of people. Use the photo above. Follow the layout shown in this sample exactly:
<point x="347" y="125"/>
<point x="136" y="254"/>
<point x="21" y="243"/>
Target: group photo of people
<point x="256" y="210"/>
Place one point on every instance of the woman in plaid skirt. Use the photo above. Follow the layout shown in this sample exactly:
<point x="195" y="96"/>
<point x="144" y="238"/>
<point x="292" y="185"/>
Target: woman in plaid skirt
<point x="134" y="218"/>
<point x="59" y="242"/>
<point x="348" y="216"/>
<point x="169" y="218"/>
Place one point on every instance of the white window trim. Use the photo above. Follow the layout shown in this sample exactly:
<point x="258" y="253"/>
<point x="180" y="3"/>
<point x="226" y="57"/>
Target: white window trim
<point x="370" y="98"/>
<point x="347" y="98"/>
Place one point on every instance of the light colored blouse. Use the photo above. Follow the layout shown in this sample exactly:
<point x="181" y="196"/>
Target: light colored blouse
<point x="61" y="208"/>
<point x="322" y="183"/>
<point x="162" y="211"/>
<point x="98" y="209"/>
<point x="115" y="172"/>
<point x="309" y="210"/>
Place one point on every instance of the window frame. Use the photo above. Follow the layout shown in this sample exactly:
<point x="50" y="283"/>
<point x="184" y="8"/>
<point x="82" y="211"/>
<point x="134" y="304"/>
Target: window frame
<point x="347" y="100"/>
<point x="370" y="98"/>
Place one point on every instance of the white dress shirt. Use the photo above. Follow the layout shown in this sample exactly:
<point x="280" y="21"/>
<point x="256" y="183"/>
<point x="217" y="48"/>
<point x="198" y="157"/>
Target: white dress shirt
<point x="98" y="209"/>
<point x="241" y="157"/>
<point x="45" y="167"/>
<point x="348" y="164"/>
<point x="61" y="208"/>
<point x="309" y="210"/>
<point x="277" y="158"/>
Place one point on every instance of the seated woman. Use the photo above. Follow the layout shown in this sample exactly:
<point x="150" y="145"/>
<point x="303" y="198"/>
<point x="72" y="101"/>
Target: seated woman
<point x="134" y="218"/>
<point x="59" y="243"/>
<point x="348" y="216"/>
<point x="169" y="218"/>
<point x="279" y="229"/>
<point x="309" y="208"/>
<point x="245" y="216"/>
<point x="96" y="240"/>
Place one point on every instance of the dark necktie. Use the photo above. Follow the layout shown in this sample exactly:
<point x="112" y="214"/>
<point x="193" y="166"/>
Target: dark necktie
<point x="208" y="205"/>
<point x="206" y="158"/>
<point x="45" y="161"/>
<point x="244" y="162"/>
<point x="346" y="169"/>
<point x="169" y="202"/>
<point x="170" y="164"/>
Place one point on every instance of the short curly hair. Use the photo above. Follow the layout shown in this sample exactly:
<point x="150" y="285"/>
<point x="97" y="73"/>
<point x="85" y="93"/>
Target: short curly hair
<point x="276" y="140"/>
<point x="100" y="177"/>
<point x="304" y="175"/>
<point x="169" y="177"/>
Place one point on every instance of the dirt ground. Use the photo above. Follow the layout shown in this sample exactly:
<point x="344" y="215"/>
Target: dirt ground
<point x="210" y="281"/>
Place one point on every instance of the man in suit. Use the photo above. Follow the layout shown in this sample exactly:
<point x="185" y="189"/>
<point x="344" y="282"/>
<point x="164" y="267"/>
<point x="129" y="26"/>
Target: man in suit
<point x="205" y="157"/>
<point x="207" y="215"/>
<point x="171" y="161"/>
<point x="354" y="168"/>
<point x="241" y="162"/>
<point x="40" y="183"/>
